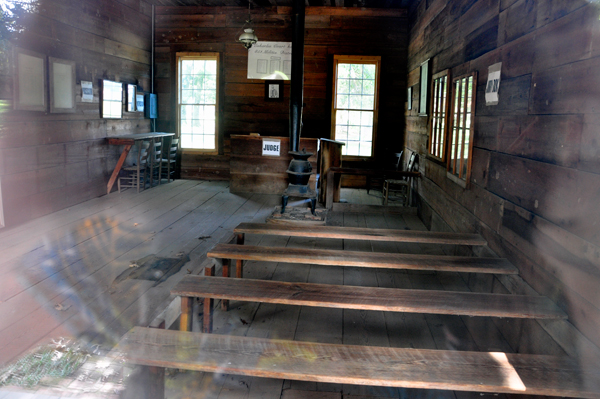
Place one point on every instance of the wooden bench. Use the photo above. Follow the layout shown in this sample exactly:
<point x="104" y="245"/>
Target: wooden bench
<point x="224" y="252"/>
<point x="493" y="372"/>
<point x="359" y="233"/>
<point x="362" y="298"/>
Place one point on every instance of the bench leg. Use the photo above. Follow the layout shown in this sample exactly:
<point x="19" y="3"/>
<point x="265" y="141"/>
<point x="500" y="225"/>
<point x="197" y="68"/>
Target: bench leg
<point x="207" y="318"/>
<point x="226" y="273"/>
<point x="239" y="268"/>
<point x="284" y="201"/>
<point x="239" y="264"/>
<point x="240" y="238"/>
<point x="185" y="320"/>
<point x="150" y="382"/>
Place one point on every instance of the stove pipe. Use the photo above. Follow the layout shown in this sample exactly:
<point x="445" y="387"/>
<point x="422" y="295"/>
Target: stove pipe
<point x="297" y="79"/>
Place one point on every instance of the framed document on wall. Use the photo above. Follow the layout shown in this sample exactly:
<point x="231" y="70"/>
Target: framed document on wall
<point x="30" y="81"/>
<point x="62" y="85"/>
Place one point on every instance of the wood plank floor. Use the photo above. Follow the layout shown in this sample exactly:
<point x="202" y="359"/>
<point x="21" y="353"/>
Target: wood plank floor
<point x="57" y="273"/>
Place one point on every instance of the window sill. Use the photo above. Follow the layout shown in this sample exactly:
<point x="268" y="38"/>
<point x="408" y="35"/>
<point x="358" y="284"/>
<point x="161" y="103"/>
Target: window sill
<point x="198" y="151"/>
<point x="356" y="158"/>
<point x="460" y="182"/>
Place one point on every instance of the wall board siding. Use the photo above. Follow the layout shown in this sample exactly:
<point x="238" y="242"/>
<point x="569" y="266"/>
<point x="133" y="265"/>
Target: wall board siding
<point x="328" y="31"/>
<point x="535" y="183"/>
<point x="53" y="161"/>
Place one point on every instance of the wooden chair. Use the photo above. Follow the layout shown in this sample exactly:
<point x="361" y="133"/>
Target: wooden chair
<point x="168" y="163"/>
<point x="378" y="181"/>
<point x="132" y="175"/>
<point x="155" y="161"/>
<point x="401" y="187"/>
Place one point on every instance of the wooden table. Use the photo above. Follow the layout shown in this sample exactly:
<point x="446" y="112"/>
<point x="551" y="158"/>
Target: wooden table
<point x="334" y="173"/>
<point x="128" y="141"/>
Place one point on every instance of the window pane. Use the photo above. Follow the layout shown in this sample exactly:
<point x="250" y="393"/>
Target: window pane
<point x="368" y="102"/>
<point x="354" y="117"/>
<point x="344" y="70"/>
<point x="368" y="87"/>
<point x="353" y="148"/>
<point x="366" y="133"/>
<point x="186" y="140"/>
<point x="365" y="149"/>
<point x="356" y="71"/>
<point x="343" y="101"/>
<point x="210" y="67"/>
<point x="342" y="118"/>
<point x="343" y="86"/>
<point x="209" y="141"/>
<point x="353" y="133"/>
<point x="369" y="71"/>
<point x="187" y="67"/>
<point x="341" y="133"/>
<point x="355" y="102"/>
<point x="355" y="86"/>
<point x="366" y="118"/>
<point x="210" y="112"/>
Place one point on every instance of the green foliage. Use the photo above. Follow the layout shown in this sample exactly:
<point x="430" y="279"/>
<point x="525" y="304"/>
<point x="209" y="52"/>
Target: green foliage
<point x="12" y="13"/>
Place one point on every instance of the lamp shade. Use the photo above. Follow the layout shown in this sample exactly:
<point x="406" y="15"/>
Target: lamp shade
<point x="248" y="38"/>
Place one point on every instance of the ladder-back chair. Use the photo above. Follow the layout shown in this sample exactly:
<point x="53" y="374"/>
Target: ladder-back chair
<point x="402" y="187"/>
<point x="134" y="176"/>
<point x="168" y="162"/>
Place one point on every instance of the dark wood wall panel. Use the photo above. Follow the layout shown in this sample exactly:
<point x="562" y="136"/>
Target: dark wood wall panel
<point x="243" y="109"/>
<point x="53" y="161"/>
<point x="535" y="185"/>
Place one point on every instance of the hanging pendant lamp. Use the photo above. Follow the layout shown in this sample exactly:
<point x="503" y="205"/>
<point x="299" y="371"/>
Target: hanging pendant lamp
<point x="248" y="37"/>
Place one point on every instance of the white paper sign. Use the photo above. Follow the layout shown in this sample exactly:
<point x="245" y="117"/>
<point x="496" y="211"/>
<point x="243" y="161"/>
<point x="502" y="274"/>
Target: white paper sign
<point x="493" y="84"/>
<point x="87" y="92"/>
<point x="271" y="147"/>
<point x="270" y="61"/>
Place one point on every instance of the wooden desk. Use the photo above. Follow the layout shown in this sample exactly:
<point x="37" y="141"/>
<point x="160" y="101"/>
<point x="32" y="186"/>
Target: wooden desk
<point x="128" y="141"/>
<point x="333" y="171"/>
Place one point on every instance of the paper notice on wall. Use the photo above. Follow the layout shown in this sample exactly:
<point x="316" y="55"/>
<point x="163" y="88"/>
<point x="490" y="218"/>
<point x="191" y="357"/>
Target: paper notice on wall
<point x="493" y="84"/>
<point x="87" y="92"/>
<point x="270" y="61"/>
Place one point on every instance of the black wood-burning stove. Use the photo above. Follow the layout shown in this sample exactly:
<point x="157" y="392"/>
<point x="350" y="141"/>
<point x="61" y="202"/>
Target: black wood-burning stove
<point x="299" y="173"/>
<point x="300" y="168"/>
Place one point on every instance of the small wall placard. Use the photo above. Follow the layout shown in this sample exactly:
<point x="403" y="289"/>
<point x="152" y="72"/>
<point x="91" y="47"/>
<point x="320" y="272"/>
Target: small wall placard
<point x="493" y="84"/>
<point x="271" y="147"/>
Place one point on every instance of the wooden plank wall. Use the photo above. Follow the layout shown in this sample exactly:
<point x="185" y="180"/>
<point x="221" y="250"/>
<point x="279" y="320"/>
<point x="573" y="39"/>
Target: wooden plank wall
<point x="536" y="162"/>
<point x="243" y="109"/>
<point x="251" y="172"/>
<point x="49" y="161"/>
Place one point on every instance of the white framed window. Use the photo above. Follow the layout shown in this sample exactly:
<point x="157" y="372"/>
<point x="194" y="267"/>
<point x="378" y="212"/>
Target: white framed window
<point x="355" y="103"/>
<point x="198" y="100"/>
